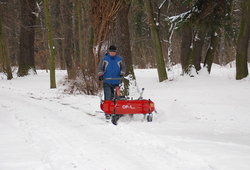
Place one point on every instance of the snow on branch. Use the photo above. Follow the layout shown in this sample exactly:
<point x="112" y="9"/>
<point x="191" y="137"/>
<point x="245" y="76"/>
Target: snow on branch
<point x="180" y="17"/>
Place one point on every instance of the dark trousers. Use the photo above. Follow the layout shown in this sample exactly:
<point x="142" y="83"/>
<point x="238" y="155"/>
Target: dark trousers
<point x="109" y="90"/>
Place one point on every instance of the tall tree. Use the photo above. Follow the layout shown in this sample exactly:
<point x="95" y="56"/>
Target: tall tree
<point x="137" y="42"/>
<point x="122" y="35"/>
<point x="208" y="14"/>
<point x="67" y="6"/>
<point x="51" y="46"/>
<point x="186" y="40"/>
<point x="242" y="43"/>
<point x="155" y="39"/>
<point x="79" y="7"/>
<point x="197" y="49"/>
<point x="215" y="36"/>
<point x="211" y="14"/>
<point x="102" y="12"/>
<point x="123" y="40"/>
<point x="27" y="37"/>
<point x="186" y="60"/>
<point x="4" y="50"/>
<point x="91" y="59"/>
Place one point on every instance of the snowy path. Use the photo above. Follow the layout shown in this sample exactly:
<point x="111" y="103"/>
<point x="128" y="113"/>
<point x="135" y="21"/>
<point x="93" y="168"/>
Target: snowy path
<point x="54" y="139"/>
<point x="43" y="129"/>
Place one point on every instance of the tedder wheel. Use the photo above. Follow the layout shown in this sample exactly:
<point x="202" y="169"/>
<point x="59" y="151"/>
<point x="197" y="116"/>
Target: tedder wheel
<point x="149" y="118"/>
<point x="115" y="118"/>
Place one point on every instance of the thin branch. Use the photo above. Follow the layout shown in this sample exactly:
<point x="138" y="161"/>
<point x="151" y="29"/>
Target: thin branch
<point x="162" y="4"/>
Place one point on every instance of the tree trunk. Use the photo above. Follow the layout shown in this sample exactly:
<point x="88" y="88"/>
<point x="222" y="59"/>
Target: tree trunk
<point x="4" y="50"/>
<point x="57" y="25"/>
<point x="155" y="39"/>
<point x="242" y="43"/>
<point x="186" y="60"/>
<point x="211" y="50"/>
<point x="138" y="49"/>
<point x="186" y="40"/>
<point x="51" y="46"/>
<point x="79" y="7"/>
<point x="68" y="42"/>
<point x="123" y="41"/>
<point x="197" y="49"/>
<point x="1" y="59"/>
<point x="91" y="59"/>
<point x="27" y="37"/>
<point x="62" y="41"/>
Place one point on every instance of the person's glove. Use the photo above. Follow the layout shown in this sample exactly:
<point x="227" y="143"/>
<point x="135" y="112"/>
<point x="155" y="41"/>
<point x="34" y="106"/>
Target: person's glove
<point x="101" y="77"/>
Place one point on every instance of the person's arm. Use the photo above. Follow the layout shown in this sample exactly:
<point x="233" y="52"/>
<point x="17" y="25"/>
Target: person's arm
<point x="100" y="69"/>
<point x="123" y="68"/>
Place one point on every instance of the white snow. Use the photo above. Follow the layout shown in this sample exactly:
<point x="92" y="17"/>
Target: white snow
<point x="202" y="123"/>
<point x="179" y="17"/>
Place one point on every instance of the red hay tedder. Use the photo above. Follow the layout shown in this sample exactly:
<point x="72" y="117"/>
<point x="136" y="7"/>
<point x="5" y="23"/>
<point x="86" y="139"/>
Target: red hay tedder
<point x="122" y="105"/>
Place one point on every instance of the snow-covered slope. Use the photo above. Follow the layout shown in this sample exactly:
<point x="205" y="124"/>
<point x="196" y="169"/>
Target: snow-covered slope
<point x="201" y="123"/>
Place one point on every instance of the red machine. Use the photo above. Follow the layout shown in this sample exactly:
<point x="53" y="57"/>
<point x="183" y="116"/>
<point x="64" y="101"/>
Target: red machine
<point x="121" y="105"/>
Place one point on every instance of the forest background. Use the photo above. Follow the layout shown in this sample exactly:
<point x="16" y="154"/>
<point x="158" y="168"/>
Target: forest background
<point x="74" y="34"/>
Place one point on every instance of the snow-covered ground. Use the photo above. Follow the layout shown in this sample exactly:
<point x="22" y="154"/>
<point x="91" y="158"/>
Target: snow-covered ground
<point x="201" y="123"/>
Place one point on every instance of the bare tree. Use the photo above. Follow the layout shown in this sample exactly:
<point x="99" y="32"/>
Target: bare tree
<point x="102" y="13"/>
<point x="155" y="39"/>
<point x="5" y="61"/>
<point x="197" y="48"/>
<point x="67" y="16"/>
<point x="242" y="44"/>
<point x="27" y="36"/>
<point x="215" y="37"/>
<point x="51" y="46"/>
<point x="123" y="40"/>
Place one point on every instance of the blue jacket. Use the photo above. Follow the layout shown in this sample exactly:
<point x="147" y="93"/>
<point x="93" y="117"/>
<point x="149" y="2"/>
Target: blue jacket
<point x="111" y="67"/>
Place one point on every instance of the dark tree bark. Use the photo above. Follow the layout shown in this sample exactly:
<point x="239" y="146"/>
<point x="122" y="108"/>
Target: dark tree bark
<point x="186" y="41"/>
<point x="215" y="37"/>
<point x="79" y="7"/>
<point x="4" y="51"/>
<point x="242" y="44"/>
<point x="155" y="39"/>
<point x="186" y="60"/>
<point x="123" y="40"/>
<point x="197" y="49"/>
<point x="122" y="36"/>
<point x="67" y="14"/>
<point x="91" y="60"/>
<point x="27" y="35"/>
<point x="51" y="46"/>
